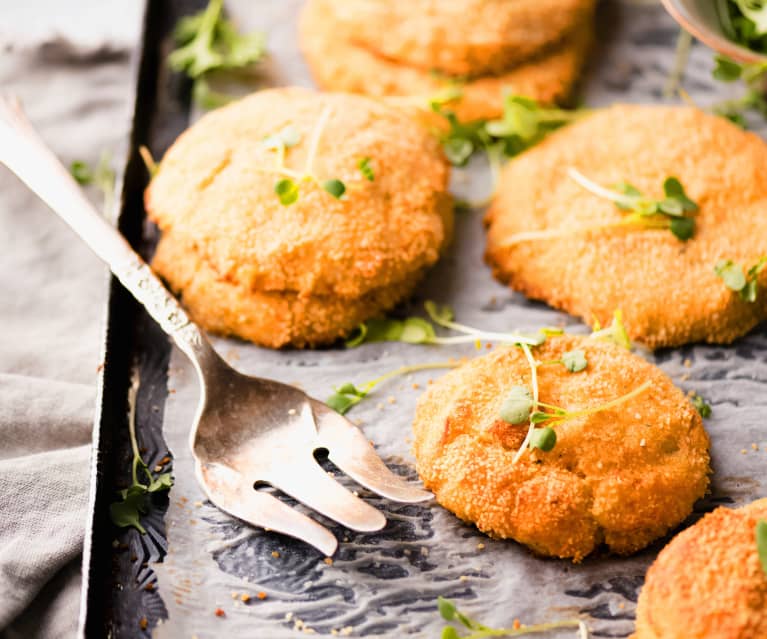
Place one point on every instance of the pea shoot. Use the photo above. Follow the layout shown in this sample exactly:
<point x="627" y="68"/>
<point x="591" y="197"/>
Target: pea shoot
<point x="746" y="284"/>
<point x="348" y="395"/>
<point x="208" y="43"/>
<point x="667" y="213"/>
<point x="450" y="612"/>
<point x="761" y="543"/>
<point x="416" y="330"/>
<point x="133" y="500"/>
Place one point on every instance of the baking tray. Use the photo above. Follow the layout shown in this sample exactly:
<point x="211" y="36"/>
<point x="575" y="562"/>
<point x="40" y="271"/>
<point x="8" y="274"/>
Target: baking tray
<point x="169" y="582"/>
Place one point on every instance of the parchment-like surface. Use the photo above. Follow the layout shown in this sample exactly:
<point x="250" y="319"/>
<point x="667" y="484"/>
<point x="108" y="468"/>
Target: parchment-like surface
<point x="387" y="584"/>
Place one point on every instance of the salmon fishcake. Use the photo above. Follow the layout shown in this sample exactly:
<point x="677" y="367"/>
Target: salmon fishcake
<point x="269" y="318"/>
<point x="338" y="65"/>
<point x="555" y="240"/>
<point x="620" y="475"/>
<point x="305" y="214"/>
<point x="707" y="583"/>
<point x="458" y="37"/>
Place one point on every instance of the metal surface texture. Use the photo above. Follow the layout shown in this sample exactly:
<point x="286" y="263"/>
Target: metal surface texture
<point x="384" y="583"/>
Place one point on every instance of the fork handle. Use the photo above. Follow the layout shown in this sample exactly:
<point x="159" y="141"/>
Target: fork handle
<point x="25" y="154"/>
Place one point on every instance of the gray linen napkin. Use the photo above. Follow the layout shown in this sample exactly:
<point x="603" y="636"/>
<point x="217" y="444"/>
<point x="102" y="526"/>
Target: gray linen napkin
<point x="52" y="296"/>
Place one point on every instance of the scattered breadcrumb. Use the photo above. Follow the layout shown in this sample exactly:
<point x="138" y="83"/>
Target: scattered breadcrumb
<point x="275" y="554"/>
<point x="143" y="623"/>
<point x="219" y="612"/>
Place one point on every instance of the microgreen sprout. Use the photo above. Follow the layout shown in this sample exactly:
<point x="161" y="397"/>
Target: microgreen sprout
<point x="348" y="395"/>
<point x="102" y="177"/>
<point x="746" y="284"/>
<point x="574" y="361"/>
<point x="761" y="543"/>
<point x="524" y="124"/>
<point x="615" y="332"/>
<point x="132" y="504"/>
<point x="667" y="213"/>
<point x="450" y="612"/>
<point x="149" y="162"/>
<point x="700" y="405"/>
<point x="288" y="185"/>
<point x="367" y="171"/>
<point x="416" y="330"/>
<point x="207" y="43"/>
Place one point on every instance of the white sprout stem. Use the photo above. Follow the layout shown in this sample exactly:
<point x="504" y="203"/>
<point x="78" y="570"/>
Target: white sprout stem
<point x="611" y="404"/>
<point x="507" y="338"/>
<point x="315" y="141"/>
<point x="593" y="187"/>
<point x="404" y="370"/>
<point x="534" y="383"/>
<point x="281" y="171"/>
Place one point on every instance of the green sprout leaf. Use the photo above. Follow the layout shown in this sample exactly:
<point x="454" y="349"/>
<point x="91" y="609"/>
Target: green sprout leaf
<point x="206" y="43"/>
<point x="286" y="138"/>
<point x="543" y="438"/>
<point x="761" y="543"/>
<point x="446" y="608"/>
<point x="575" y="360"/>
<point x="700" y="405"/>
<point x="81" y="171"/>
<point x="102" y="177"/>
<point x="346" y="396"/>
<point x="517" y="405"/>
<point x="335" y="187"/>
<point x="645" y="212"/>
<point x="615" y="332"/>
<point x="417" y="331"/>
<point x="744" y="283"/>
<point x="127" y="512"/>
<point x="367" y="171"/>
<point x="438" y="314"/>
<point x="726" y="70"/>
<point x="287" y="191"/>
<point x="163" y="481"/>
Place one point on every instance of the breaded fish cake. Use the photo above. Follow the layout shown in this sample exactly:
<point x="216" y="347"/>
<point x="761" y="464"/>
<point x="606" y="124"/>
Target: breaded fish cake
<point x="667" y="288"/>
<point x="458" y="37"/>
<point x="338" y="65"/>
<point x="622" y="476"/>
<point x="707" y="583"/>
<point x="269" y="318"/>
<point x="215" y="188"/>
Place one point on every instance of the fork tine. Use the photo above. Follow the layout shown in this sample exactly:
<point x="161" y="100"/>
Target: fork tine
<point x="303" y="479"/>
<point x="263" y="510"/>
<point x="350" y="450"/>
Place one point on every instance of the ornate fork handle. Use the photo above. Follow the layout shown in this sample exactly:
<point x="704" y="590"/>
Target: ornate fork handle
<point x="24" y="153"/>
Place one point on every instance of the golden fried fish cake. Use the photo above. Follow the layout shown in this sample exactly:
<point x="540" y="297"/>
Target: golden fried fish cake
<point x="457" y="37"/>
<point x="707" y="583"/>
<point x="215" y="188"/>
<point x="270" y="318"/>
<point x="667" y="288"/>
<point x="622" y="476"/>
<point x="338" y="65"/>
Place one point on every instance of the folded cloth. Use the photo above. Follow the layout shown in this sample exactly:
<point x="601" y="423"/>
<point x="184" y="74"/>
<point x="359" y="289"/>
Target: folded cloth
<point x="52" y="297"/>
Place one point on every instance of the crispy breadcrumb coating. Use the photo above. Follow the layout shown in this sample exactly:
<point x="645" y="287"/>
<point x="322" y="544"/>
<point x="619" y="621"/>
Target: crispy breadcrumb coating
<point x="622" y="477"/>
<point x="339" y="65"/>
<point x="666" y="288"/>
<point x="707" y="583"/>
<point x="460" y="37"/>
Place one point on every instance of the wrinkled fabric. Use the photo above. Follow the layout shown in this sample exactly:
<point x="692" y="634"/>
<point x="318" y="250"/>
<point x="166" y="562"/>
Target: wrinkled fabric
<point x="75" y="84"/>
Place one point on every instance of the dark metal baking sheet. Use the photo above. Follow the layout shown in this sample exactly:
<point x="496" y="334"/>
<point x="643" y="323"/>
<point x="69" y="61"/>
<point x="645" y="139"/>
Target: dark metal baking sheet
<point x="383" y="584"/>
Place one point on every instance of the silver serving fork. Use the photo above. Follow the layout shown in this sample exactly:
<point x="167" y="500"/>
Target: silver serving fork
<point x="247" y="430"/>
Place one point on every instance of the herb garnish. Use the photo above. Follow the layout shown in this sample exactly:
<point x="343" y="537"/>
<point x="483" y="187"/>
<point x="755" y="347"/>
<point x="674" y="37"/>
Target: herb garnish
<point x="349" y="395"/>
<point x="367" y="171"/>
<point x="524" y="124"/>
<point x="416" y="330"/>
<point x="745" y="284"/>
<point x="761" y="543"/>
<point x="700" y="405"/>
<point x="102" y="177"/>
<point x="646" y="212"/>
<point x="615" y="332"/>
<point x="450" y="612"/>
<point x="288" y="187"/>
<point x="207" y="42"/>
<point x="133" y="500"/>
